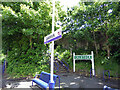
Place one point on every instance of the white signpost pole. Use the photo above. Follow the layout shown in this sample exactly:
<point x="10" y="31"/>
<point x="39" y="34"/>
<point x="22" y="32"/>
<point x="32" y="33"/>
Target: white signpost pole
<point x="93" y="68"/>
<point x="73" y="62"/>
<point x="51" y="85"/>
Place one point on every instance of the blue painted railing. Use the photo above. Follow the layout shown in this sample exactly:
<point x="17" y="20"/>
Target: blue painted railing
<point x="3" y="68"/>
<point x="104" y="74"/>
<point x="63" y="62"/>
<point x="56" y="67"/>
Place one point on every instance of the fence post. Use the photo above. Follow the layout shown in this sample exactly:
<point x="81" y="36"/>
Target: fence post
<point x="91" y="73"/>
<point x="93" y="68"/>
<point x="104" y="74"/>
<point x="73" y="62"/>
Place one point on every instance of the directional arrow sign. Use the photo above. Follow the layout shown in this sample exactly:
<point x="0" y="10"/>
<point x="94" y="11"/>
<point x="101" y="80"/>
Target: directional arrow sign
<point x="53" y="36"/>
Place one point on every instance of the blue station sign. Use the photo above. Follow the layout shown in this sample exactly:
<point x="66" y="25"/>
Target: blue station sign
<point x="53" y="36"/>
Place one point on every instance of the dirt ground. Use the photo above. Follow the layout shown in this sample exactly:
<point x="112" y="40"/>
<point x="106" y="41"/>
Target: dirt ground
<point x="67" y="81"/>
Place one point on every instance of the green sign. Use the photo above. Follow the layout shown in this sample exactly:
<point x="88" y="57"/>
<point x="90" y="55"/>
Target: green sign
<point x="84" y="57"/>
<point x="81" y="57"/>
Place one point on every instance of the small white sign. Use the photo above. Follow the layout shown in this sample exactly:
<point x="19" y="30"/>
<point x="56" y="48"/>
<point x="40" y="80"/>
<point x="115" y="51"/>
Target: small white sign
<point x="53" y="36"/>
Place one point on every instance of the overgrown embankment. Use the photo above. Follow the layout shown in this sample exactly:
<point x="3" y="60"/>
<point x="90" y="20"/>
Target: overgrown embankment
<point x="91" y="26"/>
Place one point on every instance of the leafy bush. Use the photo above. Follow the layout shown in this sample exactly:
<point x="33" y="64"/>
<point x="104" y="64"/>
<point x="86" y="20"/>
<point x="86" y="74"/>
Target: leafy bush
<point x="65" y="55"/>
<point x="24" y="63"/>
<point x="2" y="57"/>
<point x="102" y="64"/>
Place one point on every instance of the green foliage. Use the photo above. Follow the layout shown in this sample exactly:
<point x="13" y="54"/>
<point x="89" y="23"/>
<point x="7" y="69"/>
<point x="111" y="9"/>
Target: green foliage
<point x="94" y="24"/>
<point x="24" y="26"/>
<point x="95" y="27"/>
<point x="21" y="64"/>
<point x="102" y="63"/>
<point x="91" y="26"/>
<point x="66" y="56"/>
<point x="2" y="56"/>
<point x="83" y="65"/>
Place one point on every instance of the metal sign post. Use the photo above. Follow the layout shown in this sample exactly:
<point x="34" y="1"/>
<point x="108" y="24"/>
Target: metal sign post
<point x="84" y="57"/>
<point x="93" y="67"/>
<point x="52" y="83"/>
<point x="51" y="38"/>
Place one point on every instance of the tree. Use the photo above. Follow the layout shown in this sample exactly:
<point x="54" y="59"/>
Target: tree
<point x="91" y="23"/>
<point x="24" y="26"/>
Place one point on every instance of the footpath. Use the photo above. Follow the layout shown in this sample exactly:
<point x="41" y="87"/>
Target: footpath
<point x="67" y="81"/>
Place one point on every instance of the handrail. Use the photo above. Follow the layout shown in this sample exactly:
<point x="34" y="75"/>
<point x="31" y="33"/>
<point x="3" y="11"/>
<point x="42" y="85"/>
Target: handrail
<point x="104" y="73"/>
<point x="67" y="64"/>
<point x="61" y="61"/>
<point x="57" y="65"/>
<point x="4" y="67"/>
<point x="55" y="62"/>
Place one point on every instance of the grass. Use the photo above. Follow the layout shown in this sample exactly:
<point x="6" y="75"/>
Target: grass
<point x="113" y="67"/>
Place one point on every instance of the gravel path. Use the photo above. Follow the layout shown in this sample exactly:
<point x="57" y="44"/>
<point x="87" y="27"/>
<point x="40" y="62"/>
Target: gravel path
<point x="67" y="80"/>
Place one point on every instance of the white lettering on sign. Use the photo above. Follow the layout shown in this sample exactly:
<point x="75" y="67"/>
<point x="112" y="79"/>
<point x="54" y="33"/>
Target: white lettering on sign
<point x="50" y="36"/>
<point x="81" y="57"/>
<point x="84" y="57"/>
<point x="53" y="36"/>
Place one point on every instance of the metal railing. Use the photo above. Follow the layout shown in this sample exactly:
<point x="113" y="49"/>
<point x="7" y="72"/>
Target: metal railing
<point x="63" y="62"/>
<point x="104" y="74"/>
<point x="3" y="68"/>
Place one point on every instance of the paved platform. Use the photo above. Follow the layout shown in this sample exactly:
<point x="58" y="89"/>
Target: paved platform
<point x="67" y="80"/>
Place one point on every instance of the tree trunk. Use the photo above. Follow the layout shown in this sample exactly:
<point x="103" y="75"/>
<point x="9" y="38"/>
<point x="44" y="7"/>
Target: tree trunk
<point x="107" y="46"/>
<point x="95" y="43"/>
<point x="106" y="37"/>
<point x="71" y="51"/>
<point x="30" y="42"/>
<point x="38" y="38"/>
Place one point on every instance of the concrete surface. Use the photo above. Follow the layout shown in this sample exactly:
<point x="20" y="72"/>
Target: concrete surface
<point x="67" y="80"/>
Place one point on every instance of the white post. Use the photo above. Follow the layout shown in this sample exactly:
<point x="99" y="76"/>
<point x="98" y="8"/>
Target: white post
<point x="93" y="68"/>
<point x="73" y="62"/>
<point x="52" y="52"/>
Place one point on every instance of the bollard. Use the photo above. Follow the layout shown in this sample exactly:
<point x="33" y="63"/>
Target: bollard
<point x="51" y="85"/>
